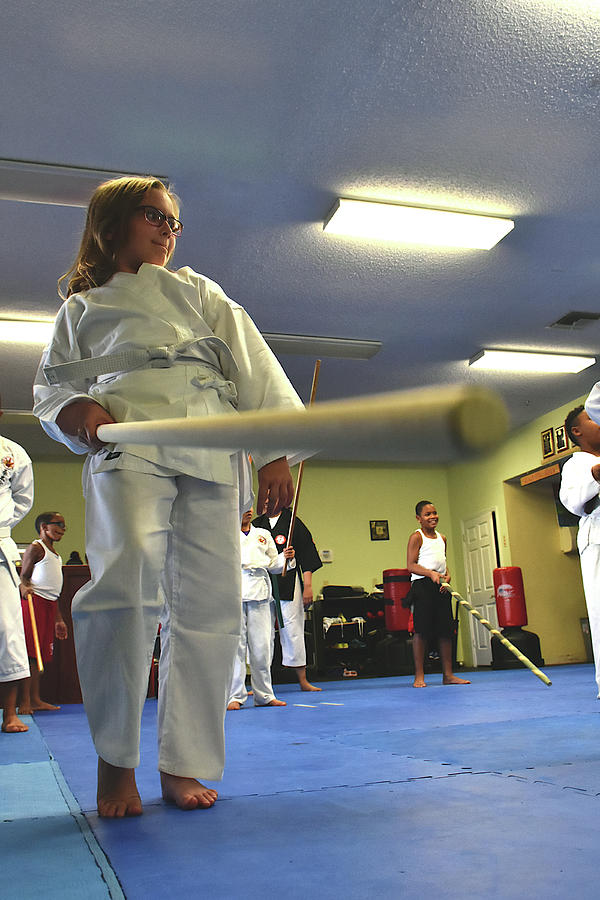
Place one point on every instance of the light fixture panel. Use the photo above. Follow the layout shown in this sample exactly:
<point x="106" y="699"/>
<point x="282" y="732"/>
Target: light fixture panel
<point x="314" y="345"/>
<point x="524" y="361"/>
<point x="26" y="331"/>
<point x="55" y="185"/>
<point x="415" y="225"/>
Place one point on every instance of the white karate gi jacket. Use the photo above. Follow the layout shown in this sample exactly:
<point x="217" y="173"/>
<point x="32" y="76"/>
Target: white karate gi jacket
<point x="153" y="308"/>
<point x="16" y="494"/>
<point x="577" y="486"/>
<point x="259" y="557"/>
<point x="16" y="499"/>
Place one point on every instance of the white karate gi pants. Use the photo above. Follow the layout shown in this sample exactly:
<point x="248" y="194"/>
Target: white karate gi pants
<point x="590" y="573"/>
<point x="258" y="633"/>
<point x="149" y="539"/>
<point x="14" y="663"/>
<point x="293" y="648"/>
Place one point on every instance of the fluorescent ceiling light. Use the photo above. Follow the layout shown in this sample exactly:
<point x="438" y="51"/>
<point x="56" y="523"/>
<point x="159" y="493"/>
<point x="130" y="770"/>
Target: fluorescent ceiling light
<point x="39" y="331"/>
<point x="523" y="361"/>
<point x="309" y="345"/>
<point x="416" y="225"/>
<point x="31" y="182"/>
<point x="26" y="331"/>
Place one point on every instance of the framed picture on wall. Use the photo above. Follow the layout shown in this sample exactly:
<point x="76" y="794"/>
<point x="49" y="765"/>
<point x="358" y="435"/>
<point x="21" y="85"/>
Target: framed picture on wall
<point x="379" y="530"/>
<point x="547" y="443"/>
<point x="561" y="441"/>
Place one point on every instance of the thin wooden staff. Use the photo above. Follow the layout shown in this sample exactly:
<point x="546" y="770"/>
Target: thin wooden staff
<point x="498" y="634"/>
<point x="313" y="391"/>
<point x="36" y="640"/>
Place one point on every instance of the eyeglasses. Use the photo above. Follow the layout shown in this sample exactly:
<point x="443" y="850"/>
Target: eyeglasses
<point x="155" y="217"/>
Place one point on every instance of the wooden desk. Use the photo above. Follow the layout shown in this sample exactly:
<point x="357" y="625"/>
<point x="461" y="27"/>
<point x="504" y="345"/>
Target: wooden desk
<point x="60" y="681"/>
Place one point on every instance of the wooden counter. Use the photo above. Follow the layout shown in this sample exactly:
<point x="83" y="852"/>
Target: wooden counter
<point x="60" y="681"/>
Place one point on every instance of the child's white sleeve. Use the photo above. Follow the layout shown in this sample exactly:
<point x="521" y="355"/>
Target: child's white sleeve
<point x="592" y="404"/>
<point x="48" y="400"/>
<point x="578" y="485"/>
<point x="262" y="382"/>
<point x="277" y="560"/>
<point x="21" y="487"/>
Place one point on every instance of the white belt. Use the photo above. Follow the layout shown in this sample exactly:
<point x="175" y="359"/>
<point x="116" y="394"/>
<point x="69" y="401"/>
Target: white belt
<point x="128" y="360"/>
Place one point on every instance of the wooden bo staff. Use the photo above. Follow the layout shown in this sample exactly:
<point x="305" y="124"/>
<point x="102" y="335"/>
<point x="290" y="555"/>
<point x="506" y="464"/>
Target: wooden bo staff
<point x="498" y="634"/>
<point x="313" y="391"/>
<point x="393" y="426"/>
<point x="36" y="640"/>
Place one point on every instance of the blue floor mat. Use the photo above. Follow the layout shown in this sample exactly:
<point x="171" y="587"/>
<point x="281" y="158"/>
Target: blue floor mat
<point x="469" y="837"/>
<point x="368" y="788"/>
<point x="27" y="746"/>
<point x="47" y="857"/>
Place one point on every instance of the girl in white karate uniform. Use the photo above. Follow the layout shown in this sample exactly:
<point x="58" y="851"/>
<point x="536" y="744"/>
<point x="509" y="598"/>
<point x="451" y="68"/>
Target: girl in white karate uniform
<point x="136" y="341"/>
<point x="259" y="557"/>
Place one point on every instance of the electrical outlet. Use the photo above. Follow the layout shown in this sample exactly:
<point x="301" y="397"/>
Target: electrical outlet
<point x="326" y="556"/>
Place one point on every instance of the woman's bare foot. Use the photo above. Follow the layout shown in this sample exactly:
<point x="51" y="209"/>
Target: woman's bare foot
<point x="453" y="679"/>
<point x="276" y="702"/>
<point x="41" y="705"/>
<point x="186" y="793"/>
<point x="117" y="792"/>
<point x="307" y="686"/>
<point x="419" y="682"/>
<point x="11" y="724"/>
<point x="25" y="710"/>
<point x="234" y="705"/>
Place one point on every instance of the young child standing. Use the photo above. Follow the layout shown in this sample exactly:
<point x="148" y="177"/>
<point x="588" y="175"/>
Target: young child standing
<point x="16" y="499"/>
<point x="259" y="557"/>
<point x="295" y="590"/>
<point x="41" y="576"/>
<point x="135" y="341"/>
<point x="432" y="609"/>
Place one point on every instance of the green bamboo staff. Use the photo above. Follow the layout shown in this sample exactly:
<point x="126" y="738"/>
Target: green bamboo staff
<point x="514" y="650"/>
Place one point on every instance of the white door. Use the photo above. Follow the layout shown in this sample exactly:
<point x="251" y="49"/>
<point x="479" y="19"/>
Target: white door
<point x="479" y="541"/>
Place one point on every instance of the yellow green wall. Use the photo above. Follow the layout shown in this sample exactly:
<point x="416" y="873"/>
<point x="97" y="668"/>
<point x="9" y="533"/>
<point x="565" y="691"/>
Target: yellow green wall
<point x="57" y="488"/>
<point x="339" y="499"/>
<point x="479" y="485"/>
<point x="552" y="579"/>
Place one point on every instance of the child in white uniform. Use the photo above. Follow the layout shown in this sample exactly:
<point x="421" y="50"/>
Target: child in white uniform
<point x="135" y="341"/>
<point x="579" y="490"/>
<point x="259" y="557"/>
<point x="16" y="499"/>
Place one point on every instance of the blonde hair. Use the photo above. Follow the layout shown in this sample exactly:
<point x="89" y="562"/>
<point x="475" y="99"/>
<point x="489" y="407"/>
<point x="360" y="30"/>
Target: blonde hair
<point x="109" y="211"/>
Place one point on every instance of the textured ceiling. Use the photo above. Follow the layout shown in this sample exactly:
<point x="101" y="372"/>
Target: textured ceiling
<point x="263" y="112"/>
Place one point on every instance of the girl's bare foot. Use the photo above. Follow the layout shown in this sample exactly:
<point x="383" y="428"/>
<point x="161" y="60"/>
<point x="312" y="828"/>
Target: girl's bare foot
<point x="419" y="682"/>
<point x="453" y="679"/>
<point x="186" y="793"/>
<point x="307" y="686"/>
<point x="117" y="792"/>
<point x="234" y="705"/>
<point x="276" y="702"/>
<point x="11" y="724"/>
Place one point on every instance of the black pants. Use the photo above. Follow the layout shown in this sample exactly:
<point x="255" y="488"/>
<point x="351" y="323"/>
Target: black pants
<point x="432" y="610"/>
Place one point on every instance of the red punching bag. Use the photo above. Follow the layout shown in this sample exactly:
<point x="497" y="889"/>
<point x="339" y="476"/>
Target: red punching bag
<point x="510" y="597"/>
<point x="396" y="585"/>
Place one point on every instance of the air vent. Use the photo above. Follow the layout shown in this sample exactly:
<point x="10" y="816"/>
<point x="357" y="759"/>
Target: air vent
<point x="575" y="320"/>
